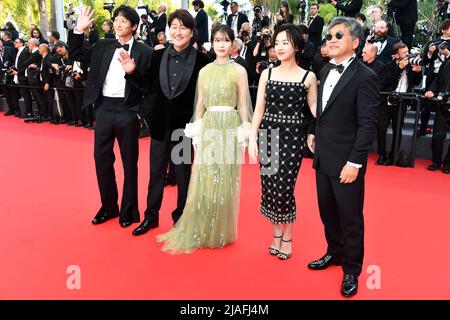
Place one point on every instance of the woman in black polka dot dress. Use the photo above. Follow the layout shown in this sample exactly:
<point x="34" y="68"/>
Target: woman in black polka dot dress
<point x="282" y="93"/>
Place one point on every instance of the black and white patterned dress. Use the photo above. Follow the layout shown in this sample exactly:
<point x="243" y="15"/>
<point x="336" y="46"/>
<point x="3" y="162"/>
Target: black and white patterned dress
<point x="281" y="142"/>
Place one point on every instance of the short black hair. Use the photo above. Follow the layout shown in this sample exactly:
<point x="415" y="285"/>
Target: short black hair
<point x="360" y="16"/>
<point x="60" y="44"/>
<point x="303" y="28"/>
<point x="222" y="28"/>
<point x="294" y="35"/>
<point x="234" y="3"/>
<point x="55" y="34"/>
<point x="21" y="40"/>
<point x="144" y="16"/>
<point x="315" y="4"/>
<point x="128" y="13"/>
<point x="444" y="25"/>
<point x="198" y="3"/>
<point x="184" y="16"/>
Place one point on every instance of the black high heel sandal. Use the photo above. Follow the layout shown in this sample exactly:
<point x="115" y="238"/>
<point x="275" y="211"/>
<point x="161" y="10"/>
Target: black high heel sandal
<point x="274" y="251"/>
<point x="283" y="255"/>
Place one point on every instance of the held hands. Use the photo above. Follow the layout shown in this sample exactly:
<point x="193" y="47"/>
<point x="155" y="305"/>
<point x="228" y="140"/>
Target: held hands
<point x="348" y="174"/>
<point x="192" y="131"/>
<point x="85" y="19"/>
<point x="128" y="64"/>
<point x="253" y="148"/>
<point x="311" y="141"/>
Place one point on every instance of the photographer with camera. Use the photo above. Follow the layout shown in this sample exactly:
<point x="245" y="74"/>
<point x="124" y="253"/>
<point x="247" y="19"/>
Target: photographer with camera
<point x="6" y="63"/>
<point x="61" y="66"/>
<point x="19" y="77"/>
<point x="248" y="41"/>
<point x="406" y="16"/>
<point x="306" y="56"/>
<point x="236" y="18"/>
<point x="284" y="15"/>
<point x="349" y="8"/>
<point x="433" y="58"/>
<point x="263" y="41"/>
<point x="400" y="76"/>
<point x="259" y="21"/>
<point x="144" y="30"/>
<point x="440" y="88"/>
<point x="383" y="41"/>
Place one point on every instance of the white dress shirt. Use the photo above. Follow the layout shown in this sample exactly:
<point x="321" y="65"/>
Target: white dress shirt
<point x="114" y="84"/>
<point x="234" y="25"/>
<point x="16" y="78"/>
<point x="328" y="87"/>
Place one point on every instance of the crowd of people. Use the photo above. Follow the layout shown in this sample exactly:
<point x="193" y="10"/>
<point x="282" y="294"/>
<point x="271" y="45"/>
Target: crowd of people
<point x="315" y="93"/>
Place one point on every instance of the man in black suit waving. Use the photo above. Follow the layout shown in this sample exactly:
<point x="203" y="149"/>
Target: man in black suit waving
<point x="117" y="101"/>
<point x="315" y="25"/>
<point x="346" y="125"/>
<point x="236" y="19"/>
<point x="201" y="23"/>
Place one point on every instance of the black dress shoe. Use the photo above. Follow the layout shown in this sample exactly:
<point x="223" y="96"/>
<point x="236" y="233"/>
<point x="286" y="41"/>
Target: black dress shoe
<point x="102" y="217"/>
<point x="388" y="162"/>
<point x="381" y="159"/>
<point x="9" y="113"/>
<point x="349" y="285"/>
<point x="145" y="226"/>
<point x="434" y="166"/>
<point x="71" y="123"/>
<point x="324" y="262"/>
<point x="446" y="169"/>
<point x="125" y="222"/>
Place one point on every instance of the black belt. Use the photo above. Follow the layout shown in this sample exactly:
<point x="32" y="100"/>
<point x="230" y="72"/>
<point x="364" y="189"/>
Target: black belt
<point x="113" y="100"/>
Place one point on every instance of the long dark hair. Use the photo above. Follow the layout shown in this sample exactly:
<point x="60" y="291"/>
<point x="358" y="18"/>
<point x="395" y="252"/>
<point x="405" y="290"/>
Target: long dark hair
<point x="288" y="12"/>
<point x="294" y="35"/>
<point x="222" y="28"/>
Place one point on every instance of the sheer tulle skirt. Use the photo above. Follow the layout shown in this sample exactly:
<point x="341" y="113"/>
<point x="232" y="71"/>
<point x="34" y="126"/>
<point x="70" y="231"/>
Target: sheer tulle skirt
<point x="210" y="215"/>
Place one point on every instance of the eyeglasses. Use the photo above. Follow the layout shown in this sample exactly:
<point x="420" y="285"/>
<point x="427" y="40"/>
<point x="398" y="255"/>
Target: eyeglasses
<point x="338" y="35"/>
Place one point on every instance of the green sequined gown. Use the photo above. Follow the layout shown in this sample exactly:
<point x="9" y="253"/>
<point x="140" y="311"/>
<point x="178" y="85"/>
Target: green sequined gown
<point x="210" y="215"/>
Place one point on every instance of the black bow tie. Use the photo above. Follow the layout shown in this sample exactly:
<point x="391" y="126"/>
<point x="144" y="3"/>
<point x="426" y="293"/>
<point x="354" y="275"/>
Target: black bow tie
<point x="124" y="46"/>
<point x="176" y="54"/>
<point x="338" y="67"/>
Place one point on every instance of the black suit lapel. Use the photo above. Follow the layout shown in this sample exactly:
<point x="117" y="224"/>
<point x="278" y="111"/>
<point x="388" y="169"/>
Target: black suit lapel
<point x="345" y="78"/>
<point x="323" y="75"/>
<point x="187" y="73"/>
<point x="106" y="61"/>
<point x="164" y="74"/>
<point x="133" y="55"/>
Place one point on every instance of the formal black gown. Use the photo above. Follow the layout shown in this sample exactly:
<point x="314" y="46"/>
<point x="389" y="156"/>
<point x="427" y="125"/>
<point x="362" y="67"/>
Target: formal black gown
<point x="281" y="142"/>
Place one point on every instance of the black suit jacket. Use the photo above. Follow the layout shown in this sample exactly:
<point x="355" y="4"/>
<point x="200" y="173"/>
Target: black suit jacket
<point x="201" y="23"/>
<point x="315" y="30"/>
<point x="242" y="62"/>
<point x="392" y="73"/>
<point x="23" y="58"/>
<point x="345" y="129"/>
<point x="8" y="57"/>
<point x="46" y="72"/>
<point x="160" y="23"/>
<point x="385" y="56"/>
<point x="32" y="73"/>
<point x="378" y="67"/>
<point x="242" y="18"/>
<point x="350" y="8"/>
<point x="172" y="111"/>
<point x="100" y="57"/>
<point x="405" y="10"/>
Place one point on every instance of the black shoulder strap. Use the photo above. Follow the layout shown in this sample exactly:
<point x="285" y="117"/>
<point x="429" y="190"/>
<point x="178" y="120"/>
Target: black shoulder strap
<point x="270" y="72"/>
<point x="304" y="77"/>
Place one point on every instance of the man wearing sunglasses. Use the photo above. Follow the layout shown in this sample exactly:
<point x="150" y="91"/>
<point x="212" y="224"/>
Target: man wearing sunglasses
<point x="340" y="137"/>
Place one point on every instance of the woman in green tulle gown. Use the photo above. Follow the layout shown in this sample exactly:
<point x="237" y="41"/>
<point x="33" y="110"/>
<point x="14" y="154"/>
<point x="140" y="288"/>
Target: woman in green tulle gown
<point x="219" y="132"/>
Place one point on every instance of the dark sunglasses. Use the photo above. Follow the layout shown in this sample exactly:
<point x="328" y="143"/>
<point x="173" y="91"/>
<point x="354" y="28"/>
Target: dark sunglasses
<point x="338" y="35"/>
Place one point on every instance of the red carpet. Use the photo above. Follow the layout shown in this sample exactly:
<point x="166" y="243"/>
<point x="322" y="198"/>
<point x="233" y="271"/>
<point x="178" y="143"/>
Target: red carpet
<point x="48" y="196"/>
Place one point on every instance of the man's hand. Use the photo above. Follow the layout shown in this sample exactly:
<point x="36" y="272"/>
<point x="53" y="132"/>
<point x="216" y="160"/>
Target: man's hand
<point x="432" y="49"/>
<point x="68" y="68"/>
<point x="14" y="72"/>
<point x="46" y="87"/>
<point x="128" y="64"/>
<point x="348" y="174"/>
<point x="32" y="66"/>
<point x="311" y="141"/>
<point x="429" y="94"/>
<point x="55" y="66"/>
<point x="416" y="68"/>
<point x="403" y="63"/>
<point x="84" y="20"/>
